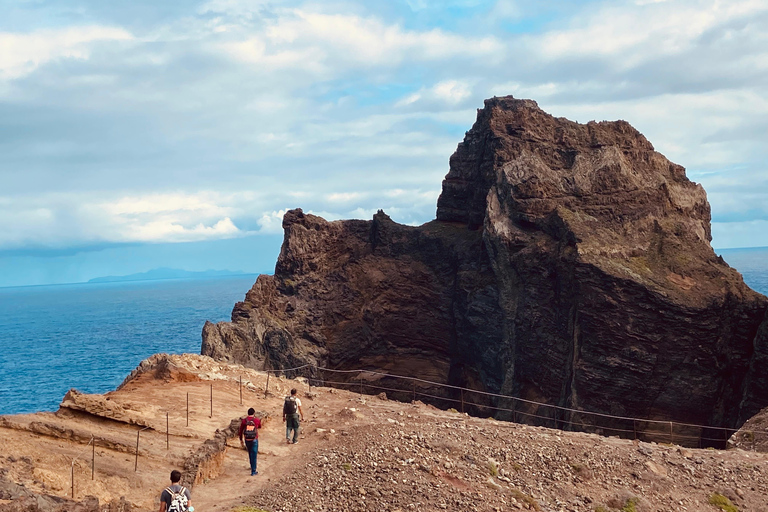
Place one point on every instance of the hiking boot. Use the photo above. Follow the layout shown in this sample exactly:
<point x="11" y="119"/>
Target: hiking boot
<point x="254" y="473"/>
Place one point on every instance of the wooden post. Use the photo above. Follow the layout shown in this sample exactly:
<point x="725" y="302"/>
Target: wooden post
<point x="187" y="408"/>
<point x="167" y="433"/>
<point x="136" y="464"/>
<point x="211" y="400"/>
<point x="514" y="410"/>
<point x="241" y="390"/>
<point x="462" y="400"/>
<point x="414" y="391"/>
<point x="266" y="388"/>
<point x="93" y="458"/>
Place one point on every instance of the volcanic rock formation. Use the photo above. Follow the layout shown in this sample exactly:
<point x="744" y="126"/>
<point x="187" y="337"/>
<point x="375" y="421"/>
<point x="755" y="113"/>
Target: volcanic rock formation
<point x="569" y="264"/>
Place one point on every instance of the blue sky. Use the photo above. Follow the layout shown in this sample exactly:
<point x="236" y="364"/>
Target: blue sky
<point x="138" y="134"/>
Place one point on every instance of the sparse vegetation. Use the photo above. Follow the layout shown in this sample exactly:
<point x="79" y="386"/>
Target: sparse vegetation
<point x="521" y="496"/>
<point x="600" y="508"/>
<point x="722" y="503"/>
<point x="452" y="410"/>
<point x="346" y="466"/>
<point x="630" y="505"/>
<point x="493" y="467"/>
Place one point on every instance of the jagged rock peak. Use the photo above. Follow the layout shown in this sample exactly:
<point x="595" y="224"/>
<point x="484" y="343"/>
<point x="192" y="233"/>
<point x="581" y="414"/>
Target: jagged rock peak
<point x="585" y="280"/>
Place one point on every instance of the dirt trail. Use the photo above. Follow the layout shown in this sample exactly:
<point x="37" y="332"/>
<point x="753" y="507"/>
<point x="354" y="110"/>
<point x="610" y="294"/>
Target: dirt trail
<point x="234" y="484"/>
<point x="355" y="454"/>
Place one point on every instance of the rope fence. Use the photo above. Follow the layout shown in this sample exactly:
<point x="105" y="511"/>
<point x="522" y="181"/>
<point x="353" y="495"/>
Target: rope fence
<point x="564" y="418"/>
<point x="480" y="403"/>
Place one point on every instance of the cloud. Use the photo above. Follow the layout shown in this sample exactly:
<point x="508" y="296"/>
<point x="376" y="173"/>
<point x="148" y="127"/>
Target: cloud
<point x="60" y="220"/>
<point x="196" y="123"/>
<point x="328" y="43"/>
<point x="447" y="92"/>
<point x="272" y="222"/>
<point x="22" y="53"/>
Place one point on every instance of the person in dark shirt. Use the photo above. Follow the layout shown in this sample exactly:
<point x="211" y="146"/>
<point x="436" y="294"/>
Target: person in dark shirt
<point x="291" y="413"/>
<point x="249" y="437"/>
<point x="166" y="498"/>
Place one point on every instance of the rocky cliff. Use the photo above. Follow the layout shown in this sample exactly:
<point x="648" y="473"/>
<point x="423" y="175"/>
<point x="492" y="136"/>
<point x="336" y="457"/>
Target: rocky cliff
<point x="569" y="264"/>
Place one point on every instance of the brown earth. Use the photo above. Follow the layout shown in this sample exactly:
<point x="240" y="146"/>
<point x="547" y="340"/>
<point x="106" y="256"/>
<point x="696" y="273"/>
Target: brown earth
<point x="356" y="453"/>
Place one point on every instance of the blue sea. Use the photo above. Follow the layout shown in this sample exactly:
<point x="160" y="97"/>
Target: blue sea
<point x="90" y="336"/>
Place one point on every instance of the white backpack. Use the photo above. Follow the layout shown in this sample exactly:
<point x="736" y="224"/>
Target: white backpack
<point x="178" y="500"/>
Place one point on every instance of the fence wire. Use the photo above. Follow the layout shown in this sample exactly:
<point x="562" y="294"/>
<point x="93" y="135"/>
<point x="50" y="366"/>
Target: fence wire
<point x="675" y="431"/>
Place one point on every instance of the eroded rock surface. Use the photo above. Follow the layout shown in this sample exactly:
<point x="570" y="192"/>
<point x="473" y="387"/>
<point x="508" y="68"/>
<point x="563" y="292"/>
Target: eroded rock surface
<point x="569" y="264"/>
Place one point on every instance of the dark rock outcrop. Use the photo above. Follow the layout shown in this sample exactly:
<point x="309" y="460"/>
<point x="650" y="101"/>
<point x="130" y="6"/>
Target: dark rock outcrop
<point x="569" y="264"/>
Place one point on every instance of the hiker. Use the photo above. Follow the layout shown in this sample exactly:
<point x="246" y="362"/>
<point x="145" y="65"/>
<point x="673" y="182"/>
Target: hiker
<point x="291" y="412"/>
<point x="175" y="497"/>
<point x="249" y="437"/>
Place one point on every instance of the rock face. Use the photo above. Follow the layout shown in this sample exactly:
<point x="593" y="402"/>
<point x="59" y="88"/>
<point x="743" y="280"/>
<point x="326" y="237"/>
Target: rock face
<point x="569" y="264"/>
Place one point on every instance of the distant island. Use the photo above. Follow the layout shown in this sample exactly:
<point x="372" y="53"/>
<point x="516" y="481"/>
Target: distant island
<point x="157" y="274"/>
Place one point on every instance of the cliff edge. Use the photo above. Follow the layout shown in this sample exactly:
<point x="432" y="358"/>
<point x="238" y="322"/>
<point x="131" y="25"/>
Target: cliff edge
<point x="569" y="264"/>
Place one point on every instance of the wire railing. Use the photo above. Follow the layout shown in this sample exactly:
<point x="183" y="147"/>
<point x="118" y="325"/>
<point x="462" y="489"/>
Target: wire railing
<point x="522" y="410"/>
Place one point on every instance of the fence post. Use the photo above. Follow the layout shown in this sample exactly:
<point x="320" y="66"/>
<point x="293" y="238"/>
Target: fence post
<point x="187" y="408"/>
<point x="136" y="464"/>
<point x="266" y="388"/>
<point x="414" y="390"/>
<point x="167" y="433"/>
<point x="241" y="390"/>
<point x="514" y="410"/>
<point x="211" y="400"/>
<point x="462" y="400"/>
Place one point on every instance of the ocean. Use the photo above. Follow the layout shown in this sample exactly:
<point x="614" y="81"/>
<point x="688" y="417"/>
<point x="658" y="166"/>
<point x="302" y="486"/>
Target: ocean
<point x="90" y="336"/>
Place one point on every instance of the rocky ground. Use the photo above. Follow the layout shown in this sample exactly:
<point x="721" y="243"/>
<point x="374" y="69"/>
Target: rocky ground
<point x="356" y="453"/>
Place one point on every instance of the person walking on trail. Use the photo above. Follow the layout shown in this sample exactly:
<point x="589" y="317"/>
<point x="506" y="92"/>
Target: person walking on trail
<point x="291" y="412"/>
<point x="249" y="437"/>
<point x="175" y="497"/>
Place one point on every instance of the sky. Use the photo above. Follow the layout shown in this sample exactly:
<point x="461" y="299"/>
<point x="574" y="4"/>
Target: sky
<point x="142" y="134"/>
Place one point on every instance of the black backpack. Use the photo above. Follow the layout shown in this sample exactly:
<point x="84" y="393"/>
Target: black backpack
<point x="250" y="429"/>
<point x="289" y="407"/>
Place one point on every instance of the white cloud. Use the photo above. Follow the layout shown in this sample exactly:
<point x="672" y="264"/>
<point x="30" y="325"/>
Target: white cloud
<point x="348" y="107"/>
<point x="330" y="42"/>
<point x="666" y="28"/>
<point x="344" y="197"/>
<point x="452" y="91"/>
<point x="22" y="53"/>
<point x="272" y="222"/>
<point x="59" y="220"/>
<point x="446" y="92"/>
<point x="167" y="230"/>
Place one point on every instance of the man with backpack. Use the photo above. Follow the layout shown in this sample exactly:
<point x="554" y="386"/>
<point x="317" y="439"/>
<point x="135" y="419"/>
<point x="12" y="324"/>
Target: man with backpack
<point x="176" y="498"/>
<point x="291" y="412"/>
<point x="249" y="437"/>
